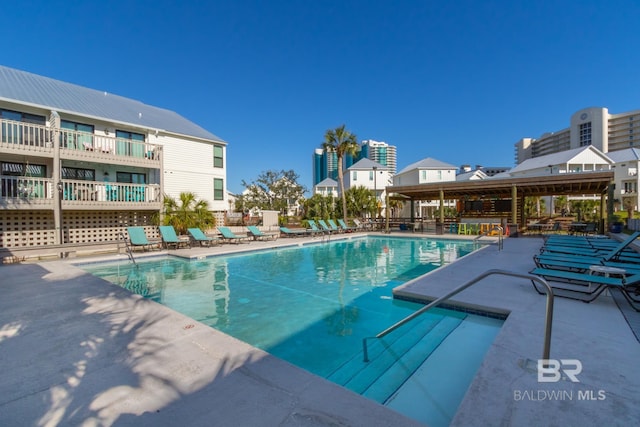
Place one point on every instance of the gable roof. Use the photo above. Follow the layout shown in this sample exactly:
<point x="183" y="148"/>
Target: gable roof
<point x="428" y="163"/>
<point x="561" y="157"/>
<point x="474" y="174"/>
<point x="51" y="94"/>
<point x="327" y="182"/>
<point x="366" y="164"/>
<point x="625" y="155"/>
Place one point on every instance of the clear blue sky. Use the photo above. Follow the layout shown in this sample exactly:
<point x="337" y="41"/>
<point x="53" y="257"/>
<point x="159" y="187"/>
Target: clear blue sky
<point x="459" y="81"/>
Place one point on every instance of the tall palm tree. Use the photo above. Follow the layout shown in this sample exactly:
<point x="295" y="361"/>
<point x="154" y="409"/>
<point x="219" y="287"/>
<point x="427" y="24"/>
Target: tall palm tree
<point x="342" y="142"/>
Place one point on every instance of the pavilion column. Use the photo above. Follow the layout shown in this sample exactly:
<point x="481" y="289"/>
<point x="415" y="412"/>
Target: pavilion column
<point x="441" y="206"/>
<point x="603" y="198"/>
<point x="514" y="204"/>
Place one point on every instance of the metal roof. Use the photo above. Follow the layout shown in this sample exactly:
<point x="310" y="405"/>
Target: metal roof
<point x="559" y="158"/>
<point x="23" y="87"/>
<point x="559" y="184"/>
<point x="366" y="164"/>
<point x="428" y="163"/>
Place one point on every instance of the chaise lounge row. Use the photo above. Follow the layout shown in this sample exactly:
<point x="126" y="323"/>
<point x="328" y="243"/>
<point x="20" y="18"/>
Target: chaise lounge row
<point x="170" y="239"/>
<point x="582" y="268"/>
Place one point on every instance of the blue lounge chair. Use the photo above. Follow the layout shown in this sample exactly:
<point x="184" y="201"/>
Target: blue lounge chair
<point x="198" y="236"/>
<point x="587" y="287"/>
<point x="325" y="227"/>
<point x="287" y="232"/>
<point x="314" y="227"/>
<point x="606" y="254"/>
<point x="334" y="227"/>
<point x="170" y="238"/>
<point x="138" y="238"/>
<point x="230" y="236"/>
<point x="259" y="235"/>
<point x="345" y="227"/>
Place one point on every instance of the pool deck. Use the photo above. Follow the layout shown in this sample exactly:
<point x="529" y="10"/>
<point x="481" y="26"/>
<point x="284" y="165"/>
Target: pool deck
<point x="76" y="350"/>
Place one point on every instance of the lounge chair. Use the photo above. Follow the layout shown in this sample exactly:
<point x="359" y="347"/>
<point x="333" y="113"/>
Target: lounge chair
<point x="314" y="227"/>
<point x="230" y="236"/>
<point x="587" y="287"/>
<point x="170" y="238"/>
<point x="325" y="227"/>
<point x="259" y="235"/>
<point x="287" y="232"/>
<point x="138" y="238"/>
<point x="345" y="227"/>
<point x="198" y="236"/>
<point x="606" y="254"/>
<point x="334" y="226"/>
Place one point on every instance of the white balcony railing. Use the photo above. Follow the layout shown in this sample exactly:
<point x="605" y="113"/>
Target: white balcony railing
<point x="31" y="136"/>
<point x="30" y="189"/>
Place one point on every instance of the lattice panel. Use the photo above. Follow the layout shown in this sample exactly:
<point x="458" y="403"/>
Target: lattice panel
<point x="97" y="226"/>
<point x="21" y="229"/>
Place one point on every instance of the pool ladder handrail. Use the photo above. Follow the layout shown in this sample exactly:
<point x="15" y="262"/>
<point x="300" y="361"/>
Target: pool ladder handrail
<point x="548" y="315"/>
<point x="128" y="248"/>
<point x="500" y="234"/>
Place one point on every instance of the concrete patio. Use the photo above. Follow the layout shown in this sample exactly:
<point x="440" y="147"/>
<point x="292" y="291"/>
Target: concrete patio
<point x="77" y="350"/>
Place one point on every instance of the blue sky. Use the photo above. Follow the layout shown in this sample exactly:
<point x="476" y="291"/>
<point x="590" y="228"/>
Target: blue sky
<point x="459" y="81"/>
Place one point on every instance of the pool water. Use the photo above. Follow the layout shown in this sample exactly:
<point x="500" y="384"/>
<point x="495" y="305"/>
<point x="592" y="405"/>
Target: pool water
<point x="312" y="306"/>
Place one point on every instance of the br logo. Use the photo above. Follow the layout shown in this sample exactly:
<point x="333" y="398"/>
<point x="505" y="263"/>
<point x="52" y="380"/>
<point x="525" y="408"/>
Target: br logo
<point x="551" y="370"/>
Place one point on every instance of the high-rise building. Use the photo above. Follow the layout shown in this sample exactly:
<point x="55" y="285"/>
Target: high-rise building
<point x="379" y="152"/>
<point x="325" y="164"/>
<point x="589" y="126"/>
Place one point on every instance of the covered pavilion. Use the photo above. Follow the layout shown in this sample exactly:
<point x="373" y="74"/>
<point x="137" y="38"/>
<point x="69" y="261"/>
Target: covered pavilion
<point x="511" y="192"/>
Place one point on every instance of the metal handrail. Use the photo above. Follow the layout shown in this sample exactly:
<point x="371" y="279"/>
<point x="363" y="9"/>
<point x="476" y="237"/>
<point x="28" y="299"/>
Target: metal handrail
<point x="548" y="317"/>
<point x="128" y="248"/>
<point x="500" y="234"/>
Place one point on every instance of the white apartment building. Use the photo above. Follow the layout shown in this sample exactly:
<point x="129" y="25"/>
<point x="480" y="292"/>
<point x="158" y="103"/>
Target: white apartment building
<point x="426" y="171"/>
<point x="78" y="165"/>
<point x="371" y="175"/>
<point x="327" y="187"/>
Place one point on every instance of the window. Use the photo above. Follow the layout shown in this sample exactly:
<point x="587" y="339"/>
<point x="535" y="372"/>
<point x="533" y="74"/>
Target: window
<point x="14" y="133"/>
<point x="78" y="174"/>
<point x="130" y="143"/>
<point x="585" y="134"/>
<point x="354" y="175"/>
<point x="218" y="159"/>
<point x="77" y="136"/>
<point x="218" y="189"/>
<point x="370" y="175"/>
<point x="21" y="169"/>
<point x="131" y="177"/>
<point x="424" y="175"/>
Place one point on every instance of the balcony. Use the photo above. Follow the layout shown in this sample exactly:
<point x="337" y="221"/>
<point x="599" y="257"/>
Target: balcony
<point x="30" y="139"/>
<point x="38" y="193"/>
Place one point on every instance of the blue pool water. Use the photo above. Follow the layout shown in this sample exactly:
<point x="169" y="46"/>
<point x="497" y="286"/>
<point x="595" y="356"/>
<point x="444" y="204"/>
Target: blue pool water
<point x="313" y="305"/>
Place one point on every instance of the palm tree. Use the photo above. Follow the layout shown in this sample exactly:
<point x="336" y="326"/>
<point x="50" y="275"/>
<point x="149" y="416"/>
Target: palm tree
<point x="342" y="142"/>
<point x="187" y="212"/>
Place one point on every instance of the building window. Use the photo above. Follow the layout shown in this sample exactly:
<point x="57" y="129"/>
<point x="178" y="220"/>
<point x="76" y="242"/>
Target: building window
<point x="218" y="189"/>
<point x="424" y="175"/>
<point x="78" y="174"/>
<point x="585" y="134"/>
<point x="21" y="169"/>
<point x="130" y="143"/>
<point x="14" y="133"/>
<point x="76" y="136"/>
<point x="354" y="175"/>
<point x="218" y="159"/>
<point x="131" y="178"/>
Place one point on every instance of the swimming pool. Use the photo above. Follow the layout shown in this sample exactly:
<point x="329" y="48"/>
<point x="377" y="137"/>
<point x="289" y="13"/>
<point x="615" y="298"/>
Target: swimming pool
<point x="313" y="305"/>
